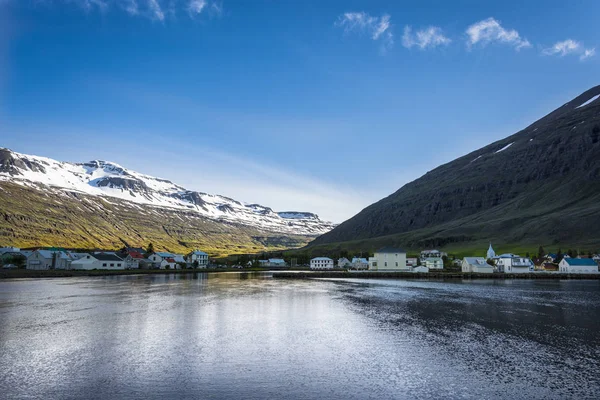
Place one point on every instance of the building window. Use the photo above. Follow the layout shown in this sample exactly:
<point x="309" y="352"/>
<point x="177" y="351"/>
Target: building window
<point x="104" y="265"/>
<point x="118" y="265"/>
<point x="385" y="264"/>
<point x="112" y="265"/>
<point x="396" y="264"/>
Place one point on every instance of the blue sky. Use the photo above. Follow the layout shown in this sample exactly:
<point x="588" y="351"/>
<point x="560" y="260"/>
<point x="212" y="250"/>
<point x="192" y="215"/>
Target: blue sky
<point x="311" y="106"/>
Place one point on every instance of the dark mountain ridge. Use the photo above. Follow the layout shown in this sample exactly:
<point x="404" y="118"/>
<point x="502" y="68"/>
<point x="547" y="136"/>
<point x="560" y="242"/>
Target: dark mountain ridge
<point x="540" y="185"/>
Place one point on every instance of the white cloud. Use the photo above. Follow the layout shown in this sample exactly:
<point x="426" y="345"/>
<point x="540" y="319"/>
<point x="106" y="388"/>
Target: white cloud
<point x="489" y="30"/>
<point x="426" y="38"/>
<point x="563" y="48"/>
<point x="196" y="6"/>
<point x="587" y="54"/>
<point x="156" y="10"/>
<point x="378" y="28"/>
<point x="567" y="47"/>
<point x="131" y="7"/>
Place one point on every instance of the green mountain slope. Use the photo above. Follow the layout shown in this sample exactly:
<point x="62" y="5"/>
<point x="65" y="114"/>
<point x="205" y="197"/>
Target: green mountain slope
<point x="54" y="217"/>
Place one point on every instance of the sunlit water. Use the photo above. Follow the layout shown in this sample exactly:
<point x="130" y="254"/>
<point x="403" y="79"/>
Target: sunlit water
<point x="248" y="336"/>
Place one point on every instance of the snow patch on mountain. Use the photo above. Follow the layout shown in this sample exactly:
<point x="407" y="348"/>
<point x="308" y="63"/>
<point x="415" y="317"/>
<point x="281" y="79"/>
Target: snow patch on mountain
<point x="107" y="179"/>
<point x="589" y="101"/>
<point x="504" y="148"/>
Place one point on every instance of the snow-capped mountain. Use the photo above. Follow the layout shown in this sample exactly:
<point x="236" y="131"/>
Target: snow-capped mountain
<point x="109" y="180"/>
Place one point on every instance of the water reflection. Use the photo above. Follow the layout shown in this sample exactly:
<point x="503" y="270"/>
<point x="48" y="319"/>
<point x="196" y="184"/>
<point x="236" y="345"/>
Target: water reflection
<point x="248" y="336"/>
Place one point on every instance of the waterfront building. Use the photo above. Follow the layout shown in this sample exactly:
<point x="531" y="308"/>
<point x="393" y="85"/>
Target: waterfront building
<point x="578" y="266"/>
<point x="513" y="264"/>
<point x="389" y="259"/>
<point x="476" y="265"/>
<point x="321" y="263"/>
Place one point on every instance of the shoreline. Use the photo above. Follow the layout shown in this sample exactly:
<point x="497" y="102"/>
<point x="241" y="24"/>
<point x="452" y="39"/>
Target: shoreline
<point x="289" y="274"/>
<point x="68" y="273"/>
<point x="427" y="275"/>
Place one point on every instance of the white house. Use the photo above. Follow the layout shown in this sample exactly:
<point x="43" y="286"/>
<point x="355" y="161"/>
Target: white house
<point x="344" y="263"/>
<point x="389" y="259"/>
<point x="434" y="263"/>
<point x="277" y="262"/>
<point x="199" y="256"/>
<point x="99" y="261"/>
<point x="321" y="263"/>
<point x="513" y="264"/>
<point x="578" y="266"/>
<point x="49" y="259"/>
<point x="157" y="258"/>
<point x="476" y="265"/>
<point x="360" y="263"/>
<point x="168" y="263"/>
<point x="432" y="253"/>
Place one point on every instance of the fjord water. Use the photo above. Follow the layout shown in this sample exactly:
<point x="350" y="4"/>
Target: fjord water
<point x="250" y="336"/>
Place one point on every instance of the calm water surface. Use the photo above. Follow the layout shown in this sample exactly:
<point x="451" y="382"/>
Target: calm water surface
<point x="248" y="336"/>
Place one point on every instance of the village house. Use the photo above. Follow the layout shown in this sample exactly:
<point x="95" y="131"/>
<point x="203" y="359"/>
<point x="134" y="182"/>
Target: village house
<point x="49" y="259"/>
<point x="578" y="266"/>
<point x="476" y="265"/>
<point x="277" y="262"/>
<point x="108" y="261"/>
<point x="432" y="254"/>
<point x="197" y="259"/>
<point x="549" y="266"/>
<point x="12" y="256"/>
<point x="513" y="264"/>
<point x="9" y="250"/>
<point x="321" y="263"/>
<point x="434" y="263"/>
<point x="412" y="262"/>
<point x="132" y="259"/>
<point x="344" y="263"/>
<point x="157" y="258"/>
<point x="389" y="259"/>
<point x="360" y="263"/>
<point x="168" y="263"/>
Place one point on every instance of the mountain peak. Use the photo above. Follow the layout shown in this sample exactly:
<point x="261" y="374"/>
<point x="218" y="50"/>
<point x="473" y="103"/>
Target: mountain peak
<point x="107" y="179"/>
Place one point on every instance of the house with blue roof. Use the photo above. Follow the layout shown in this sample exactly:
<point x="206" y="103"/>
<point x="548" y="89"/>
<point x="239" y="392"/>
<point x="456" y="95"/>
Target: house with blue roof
<point x="197" y="256"/>
<point x="578" y="266"/>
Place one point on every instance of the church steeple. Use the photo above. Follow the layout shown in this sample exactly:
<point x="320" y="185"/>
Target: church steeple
<point x="491" y="253"/>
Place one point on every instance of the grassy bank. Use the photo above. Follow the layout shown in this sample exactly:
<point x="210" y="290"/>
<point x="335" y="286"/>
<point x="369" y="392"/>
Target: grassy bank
<point x="430" y="275"/>
<point x="60" y="273"/>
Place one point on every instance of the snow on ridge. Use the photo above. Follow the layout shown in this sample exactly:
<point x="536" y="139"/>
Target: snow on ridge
<point x="477" y="158"/>
<point x="152" y="191"/>
<point x="589" y="101"/>
<point x="504" y="148"/>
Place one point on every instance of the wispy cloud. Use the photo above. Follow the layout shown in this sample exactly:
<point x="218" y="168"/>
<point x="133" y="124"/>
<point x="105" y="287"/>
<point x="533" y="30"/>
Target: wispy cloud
<point x="587" y="54"/>
<point x="131" y="7"/>
<point x="155" y="10"/>
<point x="567" y="47"/>
<point x="490" y="30"/>
<point x="563" y="48"/>
<point x="378" y="28"/>
<point x="196" y="6"/>
<point x="426" y="38"/>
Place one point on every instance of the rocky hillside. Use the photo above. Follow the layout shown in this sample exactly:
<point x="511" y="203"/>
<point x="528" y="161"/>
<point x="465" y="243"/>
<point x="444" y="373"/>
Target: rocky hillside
<point x="101" y="204"/>
<point x="538" y="186"/>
